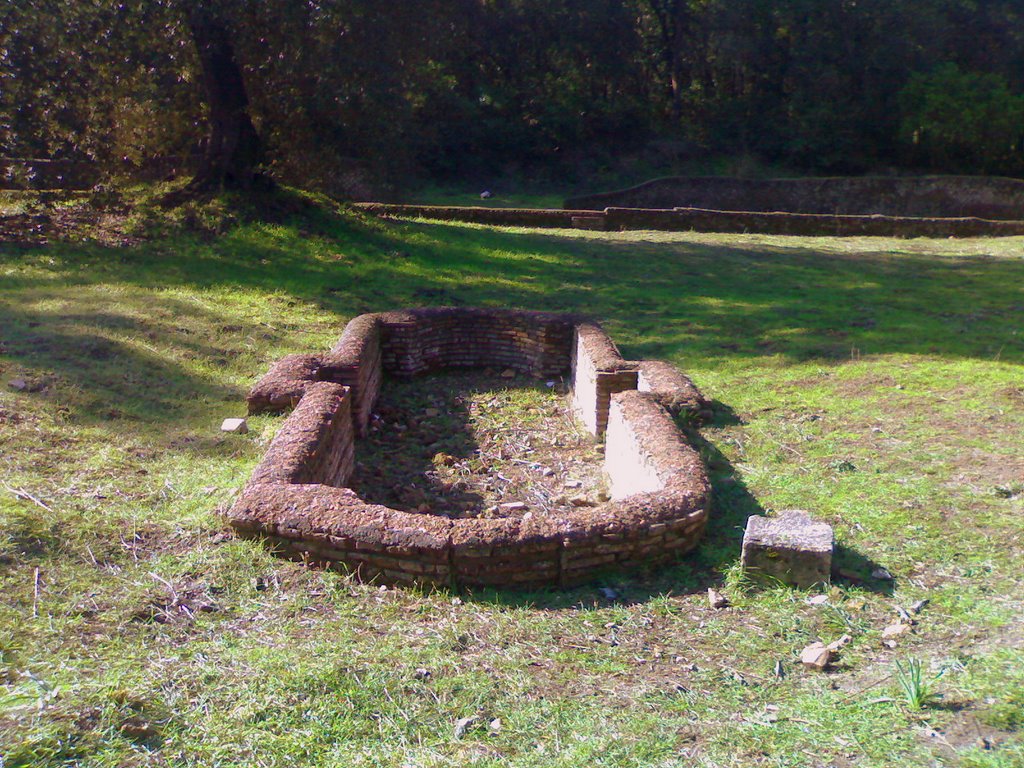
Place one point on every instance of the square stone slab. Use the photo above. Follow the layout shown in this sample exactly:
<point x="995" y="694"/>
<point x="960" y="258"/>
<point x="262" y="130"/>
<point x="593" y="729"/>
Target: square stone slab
<point x="791" y="548"/>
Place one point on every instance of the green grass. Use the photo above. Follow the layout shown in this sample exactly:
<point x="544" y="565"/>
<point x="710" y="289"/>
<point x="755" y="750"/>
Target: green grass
<point x="915" y="688"/>
<point x="877" y="383"/>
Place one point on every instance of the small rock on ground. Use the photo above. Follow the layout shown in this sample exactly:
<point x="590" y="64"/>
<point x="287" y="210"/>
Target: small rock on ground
<point x="816" y="656"/>
<point x="237" y="426"/>
<point x="716" y="599"/>
<point x="837" y="645"/>
<point x="463" y="724"/>
<point x="894" y="631"/>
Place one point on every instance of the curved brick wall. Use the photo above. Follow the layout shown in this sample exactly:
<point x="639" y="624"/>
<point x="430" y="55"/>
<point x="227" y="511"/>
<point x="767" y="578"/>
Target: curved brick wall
<point x="297" y="499"/>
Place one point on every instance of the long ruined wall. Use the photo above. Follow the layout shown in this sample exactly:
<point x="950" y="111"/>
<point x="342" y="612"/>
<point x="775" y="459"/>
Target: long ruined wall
<point x="501" y="217"/>
<point x="805" y="224"/>
<point x="707" y="220"/>
<point x="900" y="196"/>
<point x="297" y="499"/>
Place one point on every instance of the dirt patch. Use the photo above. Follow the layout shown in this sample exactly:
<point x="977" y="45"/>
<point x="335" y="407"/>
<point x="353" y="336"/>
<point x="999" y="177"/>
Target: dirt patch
<point x="478" y="444"/>
<point x="74" y="223"/>
<point x="986" y="467"/>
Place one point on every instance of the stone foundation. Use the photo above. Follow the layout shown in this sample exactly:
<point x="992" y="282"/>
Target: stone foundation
<point x="297" y="497"/>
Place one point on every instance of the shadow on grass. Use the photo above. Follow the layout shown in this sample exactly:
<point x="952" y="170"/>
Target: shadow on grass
<point x="681" y="300"/>
<point x="855" y="569"/>
<point x="105" y="366"/>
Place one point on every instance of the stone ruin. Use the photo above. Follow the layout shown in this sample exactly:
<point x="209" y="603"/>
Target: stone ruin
<point x="790" y="548"/>
<point x="991" y="198"/>
<point x="883" y="206"/>
<point x="298" y="498"/>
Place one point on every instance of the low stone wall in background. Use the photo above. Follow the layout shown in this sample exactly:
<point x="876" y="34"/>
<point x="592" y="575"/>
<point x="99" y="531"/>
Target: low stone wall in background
<point x="808" y="224"/>
<point x="297" y="497"/>
<point x="706" y="220"/>
<point x="983" y="197"/>
<point x="500" y="217"/>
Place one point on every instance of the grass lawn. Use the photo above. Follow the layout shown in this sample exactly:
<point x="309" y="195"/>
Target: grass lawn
<point x="878" y="384"/>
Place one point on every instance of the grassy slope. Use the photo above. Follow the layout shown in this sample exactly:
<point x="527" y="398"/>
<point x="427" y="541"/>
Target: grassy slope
<point x="877" y="383"/>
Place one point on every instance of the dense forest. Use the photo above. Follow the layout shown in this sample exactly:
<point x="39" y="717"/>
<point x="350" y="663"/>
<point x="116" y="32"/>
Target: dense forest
<point x="341" y="91"/>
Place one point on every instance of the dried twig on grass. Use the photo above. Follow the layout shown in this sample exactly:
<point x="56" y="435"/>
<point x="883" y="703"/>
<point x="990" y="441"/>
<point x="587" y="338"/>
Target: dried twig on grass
<point x="26" y="496"/>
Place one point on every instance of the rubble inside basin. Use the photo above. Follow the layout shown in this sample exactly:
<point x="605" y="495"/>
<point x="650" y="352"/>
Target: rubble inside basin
<point x="478" y="444"/>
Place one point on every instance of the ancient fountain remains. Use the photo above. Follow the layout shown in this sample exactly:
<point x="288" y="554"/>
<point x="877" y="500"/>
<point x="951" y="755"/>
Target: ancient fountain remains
<point x="300" y="500"/>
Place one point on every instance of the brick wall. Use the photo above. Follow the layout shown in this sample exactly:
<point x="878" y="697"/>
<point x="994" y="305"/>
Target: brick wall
<point x="284" y="384"/>
<point x="430" y="339"/>
<point x="316" y="444"/>
<point x="627" y="462"/>
<point x="356" y="362"/>
<point x="296" y="497"/>
<point x="598" y="370"/>
<point x="810" y="224"/>
<point x="672" y="389"/>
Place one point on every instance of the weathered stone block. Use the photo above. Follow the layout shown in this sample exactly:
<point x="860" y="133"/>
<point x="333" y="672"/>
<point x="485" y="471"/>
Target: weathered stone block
<point x="238" y="426"/>
<point x="791" y="548"/>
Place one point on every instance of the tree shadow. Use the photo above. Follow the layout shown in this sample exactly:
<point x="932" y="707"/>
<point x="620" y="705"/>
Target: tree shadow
<point x="717" y="300"/>
<point x="104" y="369"/>
<point x="418" y="442"/>
<point x="855" y="569"/>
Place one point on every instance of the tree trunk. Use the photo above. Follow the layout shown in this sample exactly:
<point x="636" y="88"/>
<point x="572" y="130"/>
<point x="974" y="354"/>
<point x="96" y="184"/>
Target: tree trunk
<point x="673" y="19"/>
<point x="233" y="148"/>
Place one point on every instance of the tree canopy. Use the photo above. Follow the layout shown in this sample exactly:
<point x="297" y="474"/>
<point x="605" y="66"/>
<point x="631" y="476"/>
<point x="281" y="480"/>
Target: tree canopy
<point x="339" y="88"/>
